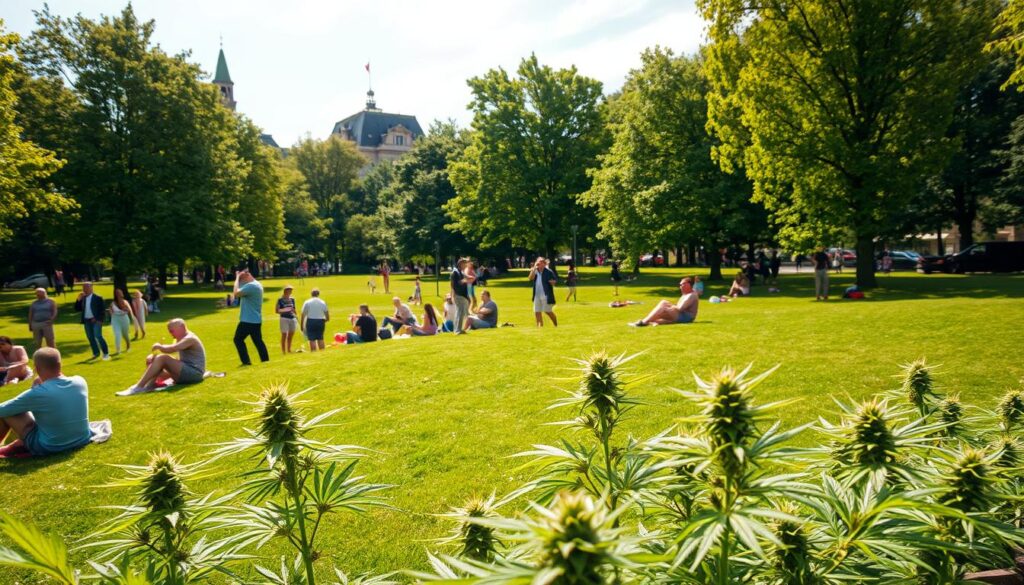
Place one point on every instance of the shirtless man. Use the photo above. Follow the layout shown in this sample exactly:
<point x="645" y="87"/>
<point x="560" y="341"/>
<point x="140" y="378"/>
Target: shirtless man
<point x="13" y="362"/>
<point x="684" y="311"/>
<point x="189" y="369"/>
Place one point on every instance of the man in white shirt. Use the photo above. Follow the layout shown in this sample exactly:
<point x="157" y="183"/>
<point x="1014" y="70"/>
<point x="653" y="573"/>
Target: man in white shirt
<point x="314" y="320"/>
<point x="403" y="316"/>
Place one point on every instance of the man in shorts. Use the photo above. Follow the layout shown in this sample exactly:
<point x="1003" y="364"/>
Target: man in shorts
<point x="543" y="279"/>
<point x="684" y="311"/>
<point x="53" y="415"/>
<point x="314" y="320"/>
<point x="13" y="362"/>
<point x="188" y="368"/>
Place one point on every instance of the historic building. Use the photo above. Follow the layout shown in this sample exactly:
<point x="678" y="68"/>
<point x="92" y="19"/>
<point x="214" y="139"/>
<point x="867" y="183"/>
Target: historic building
<point x="222" y="79"/>
<point x="378" y="134"/>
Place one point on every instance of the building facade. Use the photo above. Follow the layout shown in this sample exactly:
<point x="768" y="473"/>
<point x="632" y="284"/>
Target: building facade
<point x="377" y="134"/>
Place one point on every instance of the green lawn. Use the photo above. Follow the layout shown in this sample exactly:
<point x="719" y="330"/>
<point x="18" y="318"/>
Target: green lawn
<point x="443" y="414"/>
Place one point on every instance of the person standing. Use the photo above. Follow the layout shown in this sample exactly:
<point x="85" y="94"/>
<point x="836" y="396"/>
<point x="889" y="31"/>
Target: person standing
<point x="460" y="295"/>
<point x="141" y="310"/>
<point x="121" y="318"/>
<point x="289" y="322"/>
<point x="820" y="259"/>
<point x="42" y="314"/>
<point x="250" y="320"/>
<point x="385" y="276"/>
<point x="314" y="320"/>
<point x="543" y="279"/>
<point x="775" y="265"/>
<point x="417" y="293"/>
<point x="616" y="276"/>
<point x="570" y="282"/>
<point x="92" y="308"/>
<point x="58" y="282"/>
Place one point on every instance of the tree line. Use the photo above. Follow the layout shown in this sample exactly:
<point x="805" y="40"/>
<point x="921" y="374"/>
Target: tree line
<point x="799" y="124"/>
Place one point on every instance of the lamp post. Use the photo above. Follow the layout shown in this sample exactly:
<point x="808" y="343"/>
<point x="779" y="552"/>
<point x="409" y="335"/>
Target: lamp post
<point x="575" y="257"/>
<point x="437" y="268"/>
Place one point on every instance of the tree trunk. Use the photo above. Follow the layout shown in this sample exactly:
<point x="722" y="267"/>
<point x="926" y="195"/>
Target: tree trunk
<point x="163" y="277"/>
<point x="965" y="212"/>
<point x="715" y="260"/>
<point x="691" y="254"/>
<point x="181" y="274"/>
<point x="121" y="282"/>
<point x="941" y="246"/>
<point x="679" y="255"/>
<point x="865" y="261"/>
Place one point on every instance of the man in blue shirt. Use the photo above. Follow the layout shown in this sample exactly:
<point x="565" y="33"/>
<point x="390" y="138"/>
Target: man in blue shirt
<point x="250" y="320"/>
<point x="53" y="415"/>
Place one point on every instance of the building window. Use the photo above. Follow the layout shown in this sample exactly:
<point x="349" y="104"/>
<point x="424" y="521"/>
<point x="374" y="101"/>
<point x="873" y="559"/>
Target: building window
<point x="400" y="140"/>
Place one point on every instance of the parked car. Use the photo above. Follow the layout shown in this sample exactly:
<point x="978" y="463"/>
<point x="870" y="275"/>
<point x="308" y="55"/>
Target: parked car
<point x="981" y="257"/>
<point x="901" y="259"/>
<point x="652" y="260"/>
<point x="34" y="281"/>
<point x="849" y="256"/>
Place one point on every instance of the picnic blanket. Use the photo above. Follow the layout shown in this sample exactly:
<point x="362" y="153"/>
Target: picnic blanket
<point x="101" y="431"/>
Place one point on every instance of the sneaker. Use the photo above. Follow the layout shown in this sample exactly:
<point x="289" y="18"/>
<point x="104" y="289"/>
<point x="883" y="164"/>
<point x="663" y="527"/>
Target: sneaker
<point x="129" y="391"/>
<point x="639" y="323"/>
<point x="106" y="358"/>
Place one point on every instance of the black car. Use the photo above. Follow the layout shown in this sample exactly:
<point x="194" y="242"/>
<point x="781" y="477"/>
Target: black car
<point x="981" y="257"/>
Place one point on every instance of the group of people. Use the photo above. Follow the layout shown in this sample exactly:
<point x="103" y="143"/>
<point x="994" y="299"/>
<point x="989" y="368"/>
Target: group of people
<point x="123" y="315"/>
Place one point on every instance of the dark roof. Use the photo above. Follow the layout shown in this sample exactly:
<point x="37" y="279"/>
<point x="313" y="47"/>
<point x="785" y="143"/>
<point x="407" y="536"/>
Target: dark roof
<point x="222" y="75"/>
<point x="268" y="140"/>
<point x="367" y="127"/>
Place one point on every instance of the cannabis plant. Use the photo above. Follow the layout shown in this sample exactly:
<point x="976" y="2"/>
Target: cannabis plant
<point x="299" y="481"/>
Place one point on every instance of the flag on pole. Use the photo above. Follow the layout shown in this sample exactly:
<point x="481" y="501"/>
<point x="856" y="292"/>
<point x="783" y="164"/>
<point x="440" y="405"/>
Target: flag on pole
<point x="367" y="66"/>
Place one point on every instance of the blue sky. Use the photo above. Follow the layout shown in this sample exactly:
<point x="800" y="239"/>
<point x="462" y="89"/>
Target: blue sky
<point x="298" y="65"/>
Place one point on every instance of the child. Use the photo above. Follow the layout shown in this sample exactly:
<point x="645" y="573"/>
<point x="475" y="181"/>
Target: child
<point x="570" y="282"/>
<point x="141" y="309"/>
<point x="417" y="295"/>
<point x="698" y="285"/>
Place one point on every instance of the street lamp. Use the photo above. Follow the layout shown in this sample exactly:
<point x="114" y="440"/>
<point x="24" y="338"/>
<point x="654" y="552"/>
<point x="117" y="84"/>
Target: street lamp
<point x="575" y="257"/>
<point x="437" y="268"/>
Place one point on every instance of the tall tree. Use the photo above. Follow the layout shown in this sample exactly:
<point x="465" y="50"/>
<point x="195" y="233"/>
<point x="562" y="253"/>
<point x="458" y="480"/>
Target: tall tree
<point x="25" y="167"/>
<point x="843" y="105"/>
<point x="152" y="157"/>
<point x="421" y="188"/>
<point x="657" y="187"/>
<point x="331" y="170"/>
<point x="305" y="230"/>
<point x="534" y="137"/>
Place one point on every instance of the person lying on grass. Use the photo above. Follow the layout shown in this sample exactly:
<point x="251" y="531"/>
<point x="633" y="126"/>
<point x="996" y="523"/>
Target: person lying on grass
<point x="13" y="362"/>
<point x="665" y="313"/>
<point x="53" y="415"/>
<point x="189" y="369"/>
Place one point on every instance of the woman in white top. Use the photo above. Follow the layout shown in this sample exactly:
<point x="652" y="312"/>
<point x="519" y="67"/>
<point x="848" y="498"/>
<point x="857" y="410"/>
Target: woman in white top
<point x="121" y="317"/>
<point x="449" y="314"/>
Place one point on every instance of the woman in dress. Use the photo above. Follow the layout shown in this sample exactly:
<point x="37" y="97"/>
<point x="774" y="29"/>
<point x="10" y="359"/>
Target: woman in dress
<point x="141" y="310"/>
<point x="385" y="276"/>
<point x="121" y="317"/>
<point x="570" y="282"/>
<point x="616" y="276"/>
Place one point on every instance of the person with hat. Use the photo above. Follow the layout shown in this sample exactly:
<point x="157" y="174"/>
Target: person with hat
<point x="289" y="322"/>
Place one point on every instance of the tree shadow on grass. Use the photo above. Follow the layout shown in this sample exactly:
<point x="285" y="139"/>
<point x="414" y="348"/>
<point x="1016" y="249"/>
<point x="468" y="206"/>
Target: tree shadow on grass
<point x="892" y="287"/>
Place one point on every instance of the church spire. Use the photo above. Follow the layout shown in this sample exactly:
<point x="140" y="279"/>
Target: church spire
<point x="222" y="79"/>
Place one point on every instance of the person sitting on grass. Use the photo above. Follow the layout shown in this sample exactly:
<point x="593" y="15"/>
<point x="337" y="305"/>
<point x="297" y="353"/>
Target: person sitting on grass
<point x="430" y="325"/>
<point x="189" y="369"/>
<point x="364" y="326"/>
<point x="448" y="317"/>
<point x="13" y="362"/>
<point x="740" y="286"/>
<point x="53" y="415"/>
<point x="684" y="311"/>
<point x="403" y="316"/>
<point x="486" y="317"/>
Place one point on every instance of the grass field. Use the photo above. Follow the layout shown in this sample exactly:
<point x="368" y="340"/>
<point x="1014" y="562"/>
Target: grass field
<point x="443" y="414"/>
